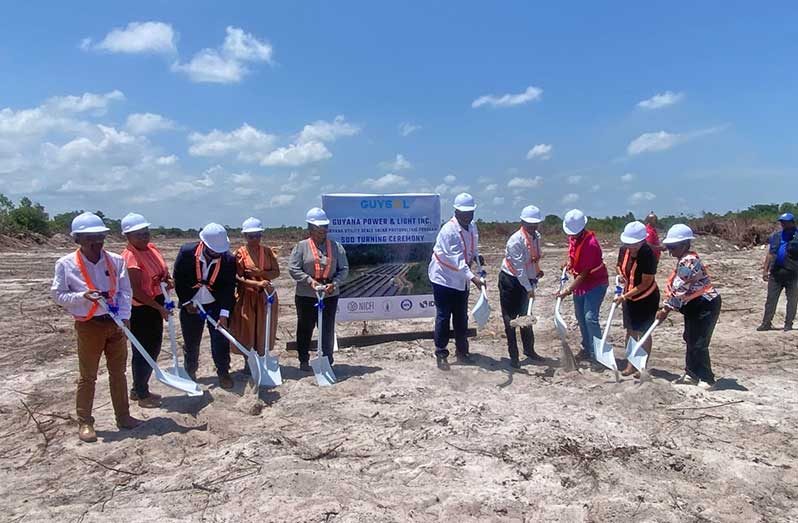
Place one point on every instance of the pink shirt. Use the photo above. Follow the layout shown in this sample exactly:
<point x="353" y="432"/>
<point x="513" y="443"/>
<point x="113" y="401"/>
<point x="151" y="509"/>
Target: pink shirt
<point x="586" y="255"/>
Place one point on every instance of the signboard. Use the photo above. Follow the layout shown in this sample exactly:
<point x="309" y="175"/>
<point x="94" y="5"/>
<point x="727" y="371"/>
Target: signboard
<point x="388" y="240"/>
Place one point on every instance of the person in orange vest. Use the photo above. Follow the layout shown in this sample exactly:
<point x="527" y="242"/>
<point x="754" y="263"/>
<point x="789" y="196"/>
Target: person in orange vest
<point x="518" y="279"/>
<point x="318" y="261"/>
<point x="82" y="280"/>
<point x="690" y="292"/>
<point x="637" y="267"/>
<point x="205" y="273"/>
<point x="147" y="270"/>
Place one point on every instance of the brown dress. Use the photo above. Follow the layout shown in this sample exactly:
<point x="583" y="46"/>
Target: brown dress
<point x="248" y="322"/>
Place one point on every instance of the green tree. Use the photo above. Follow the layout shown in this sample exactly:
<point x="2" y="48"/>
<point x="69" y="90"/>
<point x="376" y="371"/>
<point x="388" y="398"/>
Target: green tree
<point x="63" y="222"/>
<point x="30" y="216"/>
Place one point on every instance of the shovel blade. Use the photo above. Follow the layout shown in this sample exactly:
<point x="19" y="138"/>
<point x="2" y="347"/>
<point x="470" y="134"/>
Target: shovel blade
<point x="270" y="375"/>
<point x="325" y="377"/>
<point x="636" y="355"/>
<point x="604" y="354"/>
<point x="178" y="371"/>
<point x="176" y="382"/>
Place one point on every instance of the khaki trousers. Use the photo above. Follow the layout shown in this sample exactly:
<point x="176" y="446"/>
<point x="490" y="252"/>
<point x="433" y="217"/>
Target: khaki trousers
<point x="97" y="337"/>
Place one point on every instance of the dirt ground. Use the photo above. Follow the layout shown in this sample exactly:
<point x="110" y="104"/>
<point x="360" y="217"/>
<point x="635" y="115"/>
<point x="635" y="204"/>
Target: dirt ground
<point x="396" y="439"/>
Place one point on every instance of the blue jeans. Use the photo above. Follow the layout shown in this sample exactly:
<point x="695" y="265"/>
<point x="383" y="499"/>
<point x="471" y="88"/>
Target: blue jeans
<point x="451" y="311"/>
<point x="587" y="308"/>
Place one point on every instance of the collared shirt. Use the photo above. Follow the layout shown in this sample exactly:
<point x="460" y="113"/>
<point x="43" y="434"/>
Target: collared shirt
<point x="520" y="261"/>
<point x="455" y="248"/>
<point x="68" y="285"/>
<point x="585" y="255"/>
<point x="302" y="266"/>
<point x="203" y="295"/>
<point x="689" y="281"/>
<point x="152" y="266"/>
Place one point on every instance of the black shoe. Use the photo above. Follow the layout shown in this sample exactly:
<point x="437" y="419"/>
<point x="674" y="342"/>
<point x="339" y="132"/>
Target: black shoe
<point x="464" y="358"/>
<point x="514" y="363"/>
<point x="226" y="382"/>
<point x="245" y="371"/>
<point x="788" y="327"/>
<point x="305" y="367"/>
<point x="534" y="356"/>
<point x="583" y="356"/>
<point x="192" y="375"/>
<point x="596" y="367"/>
<point x="442" y="362"/>
<point x="764" y="327"/>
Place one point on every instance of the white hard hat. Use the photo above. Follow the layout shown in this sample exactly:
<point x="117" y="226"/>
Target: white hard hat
<point x="464" y="202"/>
<point x="252" y="225"/>
<point x="531" y="214"/>
<point x="215" y="237"/>
<point x="317" y="216"/>
<point x="678" y="233"/>
<point x="634" y="232"/>
<point x="574" y="222"/>
<point x="133" y="222"/>
<point x="87" y="223"/>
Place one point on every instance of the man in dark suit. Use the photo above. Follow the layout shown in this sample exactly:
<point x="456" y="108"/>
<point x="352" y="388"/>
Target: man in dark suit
<point x="205" y="273"/>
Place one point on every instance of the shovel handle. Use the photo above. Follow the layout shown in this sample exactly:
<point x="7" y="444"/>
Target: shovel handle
<point x="529" y="307"/>
<point x="647" y="334"/>
<point x="221" y="329"/>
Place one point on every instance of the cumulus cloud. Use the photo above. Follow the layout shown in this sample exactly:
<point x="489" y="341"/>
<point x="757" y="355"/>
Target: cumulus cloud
<point x="399" y="163"/>
<point x="525" y="183"/>
<point x="541" y="150"/>
<point x="570" y="198"/>
<point x="88" y="102"/>
<point x="136" y="37"/>
<point x="628" y="177"/>
<point x="491" y="187"/>
<point x="498" y="200"/>
<point x="661" y="100"/>
<point x="640" y="197"/>
<point x="227" y="64"/>
<point x="247" y="143"/>
<point x="531" y="94"/>
<point x="662" y="140"/>
<point x="148" y="123"/>
<point x="323" y="131"/>
<point x="166" y="160"/>
<point x="449" y="178"/>
<point x="574" y="179"/>
<point x="385" y="182"/>
<point x="281" y="200"/>
<point x="295" y="155"/>
<point x="407" y="128"/>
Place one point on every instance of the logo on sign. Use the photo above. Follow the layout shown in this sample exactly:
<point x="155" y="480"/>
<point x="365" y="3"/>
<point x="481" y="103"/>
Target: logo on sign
<point x="379" y="203"/>
<point x="360" y="307"/>
<point x="424" y="304"/>
<point x="406" y="305"/>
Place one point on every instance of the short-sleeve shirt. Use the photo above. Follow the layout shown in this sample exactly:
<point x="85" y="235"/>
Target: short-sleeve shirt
<point x="152" y="266"/>
<point x="646" y="263"/>
<point x="586" y="256"/>
<point x="652" y="239"/>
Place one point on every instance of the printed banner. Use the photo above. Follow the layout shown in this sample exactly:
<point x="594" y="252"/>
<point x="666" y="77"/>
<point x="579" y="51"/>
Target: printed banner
<point x="388" y="240"/>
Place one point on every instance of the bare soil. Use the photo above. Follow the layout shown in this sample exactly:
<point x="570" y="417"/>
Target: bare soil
<point x="396" y="439"/>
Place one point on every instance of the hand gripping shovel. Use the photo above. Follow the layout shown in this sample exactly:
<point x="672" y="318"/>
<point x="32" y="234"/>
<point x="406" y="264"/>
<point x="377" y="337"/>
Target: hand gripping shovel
<point x="270" y="375"/>
<point x="177" y="369"/>
<point x="176" y="382"/>
<point x="322" y="369"/>
<point x="602" y="349"/>
<point x="566" y="356"/>
<point x="252" y="355"/>
<point x="636" y="354"/>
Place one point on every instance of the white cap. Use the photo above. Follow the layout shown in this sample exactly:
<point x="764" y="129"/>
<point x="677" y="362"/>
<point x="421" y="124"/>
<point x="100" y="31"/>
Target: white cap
<point x="251" y="225"/>
<point x="531" y="214"/>
<point x="574" y="222"/>
<point x="678" y="233"/>
<point x="634" y="232"/>
<point x="317" y="216"/>
<point x="215" y="237"/>
<point x="133" y="222"/>
<point x="87" y="223"/>
<point x="464" y="202"/>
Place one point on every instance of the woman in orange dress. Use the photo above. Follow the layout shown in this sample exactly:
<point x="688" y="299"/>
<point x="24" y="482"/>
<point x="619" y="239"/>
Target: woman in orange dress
<point x="256" y="267"/>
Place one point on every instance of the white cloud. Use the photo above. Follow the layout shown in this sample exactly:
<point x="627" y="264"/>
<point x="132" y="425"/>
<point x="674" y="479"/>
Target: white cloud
<point x="595" y="188"/>
<point x="661" y="100"/>
<point x="385" y="182"/>
<point x="137" y="37"/>
<point x="509" y="100"/>
<point x="574" y="179"/>
<point x="491" y="187"/>
<point x="570" y="198"/>
<point x="498" y="200"/>
<point x="628" y="177"/>
<point x="399" y="163"/>
<point x="662" y="140"/>
<point x="96" y="103"/>
<point x="148" y="123"/>
<point x="323" y="131"/>
<point x="281" y="200"/>
<point x="450" y="178"/>
<point x="541" y="150"/>
<point x="296" y="155"/>
<point x="247" y="143"/>
<point x="525" y="183"/>
<point x="166" y="160"/>
<point x="640" y="197"/>
<point x="229" y="63"/>
<point x="407" y="128"/>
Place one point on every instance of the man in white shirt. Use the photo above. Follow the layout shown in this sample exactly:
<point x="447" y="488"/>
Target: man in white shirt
<point x="81" y="279"/>
<point x="518" y="278"/>
<point x="456" y="248"/>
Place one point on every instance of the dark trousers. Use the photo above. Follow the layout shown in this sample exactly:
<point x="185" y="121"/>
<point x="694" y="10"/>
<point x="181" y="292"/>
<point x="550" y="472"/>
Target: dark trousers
<point x="514" y="302"/>
<point x="700" y="317"/>
<point x="191" y="326"/>
<point x="146" y="325"/>
<point x="777" y="282"/>
<point x="451" y="309"/>
<point x="306" y="319"/>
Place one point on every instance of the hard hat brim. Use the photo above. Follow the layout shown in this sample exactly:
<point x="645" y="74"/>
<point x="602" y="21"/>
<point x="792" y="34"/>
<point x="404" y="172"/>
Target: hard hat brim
<point x="672" y="241"/>
<point x="465" y="208"/>
<point x="252" y="229"/>
<point x="318" y="223"/>
<point x="531" y="220"/>
<point x="631" y="240"/>
<point x="90" y="230"/>
<point x="137" y="227"/>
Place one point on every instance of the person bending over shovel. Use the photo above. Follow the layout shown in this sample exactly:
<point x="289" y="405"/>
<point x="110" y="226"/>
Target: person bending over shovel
<point x="517" y="281"/>
<point x="318" y="261"/>
<point x="81" y="280"/>
<point x="691" y="292"/>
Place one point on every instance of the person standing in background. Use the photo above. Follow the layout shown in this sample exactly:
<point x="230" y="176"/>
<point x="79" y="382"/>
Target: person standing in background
<point x="780" y="271"/>
<point x="652" y="236"/>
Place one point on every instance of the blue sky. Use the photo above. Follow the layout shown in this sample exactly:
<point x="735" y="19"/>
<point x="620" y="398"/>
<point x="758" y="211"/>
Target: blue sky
<point x="196" y="111"/>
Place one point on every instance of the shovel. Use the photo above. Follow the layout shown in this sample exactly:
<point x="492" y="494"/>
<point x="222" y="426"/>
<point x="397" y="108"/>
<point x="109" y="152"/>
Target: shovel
<point x="636" y="354"/>
<point x="270" y="375"/>
<point x="525" y="321"/>
<point x="566" y="356"/>
<point x="252" y="355"/>
<point x="322" y="369"/>
<point x="177" y="369"/>
<point x="176" y="382"/>
<point x="481" y="310"/>
<point x="602" y="349"/>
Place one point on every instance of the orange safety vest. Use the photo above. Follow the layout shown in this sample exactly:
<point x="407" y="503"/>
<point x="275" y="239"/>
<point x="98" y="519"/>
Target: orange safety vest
<point x="90" y="284"/>
<point x="318" y="275"/>
<point x="693" y="295"/>
<point x="198" y="269"/>
<point x="465" y="250"/>
<point x="630" y="275"/>
<point x="534" y="254"/>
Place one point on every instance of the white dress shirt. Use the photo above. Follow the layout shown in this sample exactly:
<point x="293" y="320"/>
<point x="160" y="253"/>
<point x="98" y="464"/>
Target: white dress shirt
<point x="518" y="258"/>
<point x="449" y="266"/>
<point x="203" y="295"/>
<point x="68" y="285"/>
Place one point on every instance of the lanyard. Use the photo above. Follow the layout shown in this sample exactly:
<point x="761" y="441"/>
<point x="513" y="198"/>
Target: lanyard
<point x="201" y="279"/>
<point x="90" y="284"/>
<point x="317" y="272"/>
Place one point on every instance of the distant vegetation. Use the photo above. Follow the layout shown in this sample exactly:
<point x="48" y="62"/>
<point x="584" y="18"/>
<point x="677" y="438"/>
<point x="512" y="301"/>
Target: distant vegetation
<point x="744" y="228"/>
